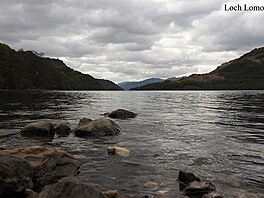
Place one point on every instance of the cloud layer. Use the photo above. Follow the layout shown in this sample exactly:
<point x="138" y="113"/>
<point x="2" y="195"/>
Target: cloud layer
<point x="125" y="40"/>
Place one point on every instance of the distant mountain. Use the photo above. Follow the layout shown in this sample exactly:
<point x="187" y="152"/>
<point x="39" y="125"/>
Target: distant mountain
<point x="130" y="85"/>
<point x="109" y="85"/>
<point x="246" y="72"/>
<point x="29" y="70"/>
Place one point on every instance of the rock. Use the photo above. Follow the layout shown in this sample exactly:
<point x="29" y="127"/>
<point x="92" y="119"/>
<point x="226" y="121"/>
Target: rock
<point x="151" y="185"/>
<point x="49" y="164"/>
<point x="111" y="193"/>
<point x="70" y="187"/>
<point x="97" y="128"/>
<point x="30" y="194"/>
<point x="213" y="194"/>
<point x="121" y="114"/>
<point x="84" y="121"/>
<point x="15" y="176"/>
<point x="186" y="177"/>
<point x="40" y="128"/>
<point x="196" y="187"/>
<point x="115" y="150"/>
<point x="62" y="128"/>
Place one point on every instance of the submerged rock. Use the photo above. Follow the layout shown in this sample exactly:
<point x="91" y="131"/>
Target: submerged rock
<point x="213" y="194"/>
<point x="62" y="128"/>
<point x="15" y="176"/>
<point x="115" y="150"/>
<point x="40" y="128"/>
<point x="111" y="193"/>
<point x="121" y="114"/>
<point x="70" y="187"/>
<point x="196" y="187"/>
<point x="49" y="164"/>
<point x="97" y="128"/>
<point x="84" y="121"/>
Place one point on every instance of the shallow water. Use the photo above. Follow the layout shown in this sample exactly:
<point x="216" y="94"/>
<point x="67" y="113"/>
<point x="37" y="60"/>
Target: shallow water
<point x="218" y="135"/>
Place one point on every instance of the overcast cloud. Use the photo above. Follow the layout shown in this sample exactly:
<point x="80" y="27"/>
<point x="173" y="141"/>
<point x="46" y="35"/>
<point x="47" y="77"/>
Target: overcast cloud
<point x="123" y="40"/>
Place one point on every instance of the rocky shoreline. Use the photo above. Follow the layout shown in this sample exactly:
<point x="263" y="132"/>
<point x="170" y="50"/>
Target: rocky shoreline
<point x="44" y="171"/>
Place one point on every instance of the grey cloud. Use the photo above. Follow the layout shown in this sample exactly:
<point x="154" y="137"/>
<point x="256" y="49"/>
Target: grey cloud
<point x="131" y="39"/>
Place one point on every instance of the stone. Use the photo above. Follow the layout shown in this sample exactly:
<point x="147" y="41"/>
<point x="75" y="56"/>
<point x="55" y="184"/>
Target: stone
<point x="84" y="121"/>
<point x="70" y="187"/>
<point x="40" y="128"/>
<point x="151" y="185"/>
<point x="121" y="114"/>
<point x="115" y="150"/>
<point x="62" y="128"/>
<point x="97" y="128"/>
<point x="111" y="193"/>
<point x="213" y="194"/>
<point x="15" y="176"/>
<point x="197" y="187"/>
<point x="49" y="164"/>
<point x="187" y="177"/>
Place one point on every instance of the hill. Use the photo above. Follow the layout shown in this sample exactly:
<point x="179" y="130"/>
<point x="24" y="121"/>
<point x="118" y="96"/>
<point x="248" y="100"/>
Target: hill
<point x="130" y="85"/>
<point x="29" y="70"/>
<point x="246" y="72"/>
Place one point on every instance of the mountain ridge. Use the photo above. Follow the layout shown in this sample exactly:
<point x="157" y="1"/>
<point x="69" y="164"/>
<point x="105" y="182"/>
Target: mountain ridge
<point x="245" y="72"/>
<point x="29" y="70"/>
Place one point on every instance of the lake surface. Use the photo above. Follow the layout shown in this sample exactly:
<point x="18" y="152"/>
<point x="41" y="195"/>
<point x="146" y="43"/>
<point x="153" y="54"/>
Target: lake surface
<point x="218" y="135"/>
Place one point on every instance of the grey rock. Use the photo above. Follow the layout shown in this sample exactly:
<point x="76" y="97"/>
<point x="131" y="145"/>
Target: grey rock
<point x="62" y="128"/>
<point x="97" y="128"/>
<point x="84" y="121"/>
<point x="70" y="187"/>
<point x="40" y="128"/>
<point x="121" y="114"/>
<point x="15" y="176"/>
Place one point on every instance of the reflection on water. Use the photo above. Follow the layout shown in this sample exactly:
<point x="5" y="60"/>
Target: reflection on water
<point x="217" y="135"/>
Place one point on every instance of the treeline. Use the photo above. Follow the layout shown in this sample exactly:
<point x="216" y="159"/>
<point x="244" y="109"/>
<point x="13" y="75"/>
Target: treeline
<point x="29" y="70"/>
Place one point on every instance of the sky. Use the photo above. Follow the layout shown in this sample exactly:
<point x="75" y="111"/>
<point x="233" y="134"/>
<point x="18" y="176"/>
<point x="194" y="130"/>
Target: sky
<point x="131" y="40"/>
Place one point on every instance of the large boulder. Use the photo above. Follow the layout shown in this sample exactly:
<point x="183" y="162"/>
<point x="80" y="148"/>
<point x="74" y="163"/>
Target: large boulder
<point x="97" y="128"/>
<point x="121" y="114"/>
<point x="62" y="128"/>
<point x="40" y="128"/>
<point x="49" y="164"/>
<point x="15" y="176"/>
<point x="70" y="187"/>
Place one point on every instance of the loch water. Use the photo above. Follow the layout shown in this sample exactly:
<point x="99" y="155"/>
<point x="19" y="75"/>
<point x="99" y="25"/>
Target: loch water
<point x="217" y="135"/>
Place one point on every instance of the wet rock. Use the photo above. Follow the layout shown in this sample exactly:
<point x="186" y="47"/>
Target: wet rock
<point x="111" y="193"/>
<point x="187" y="177"/>
<point x="151" y="185"/>
<point x="97" y="128"/>
<point x="40" y="128"/>
<point x="84" y="121"/>
<point x="70" y="187"/>
<point x="121" y="114"/>
<point x="49" y="164"/>
<point x="62" y="128"/>
<point x="15" y="176"/>
<point x="115" y="150"/>
<point x="196" y="187"/>
<point x="213" y="194"/>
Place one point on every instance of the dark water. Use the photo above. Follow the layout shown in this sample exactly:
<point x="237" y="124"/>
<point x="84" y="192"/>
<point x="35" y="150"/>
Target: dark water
<point x="218" y="135"/>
